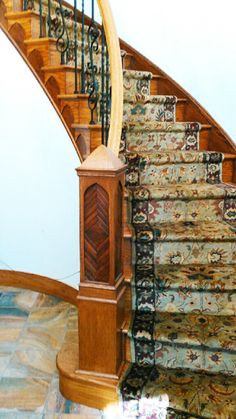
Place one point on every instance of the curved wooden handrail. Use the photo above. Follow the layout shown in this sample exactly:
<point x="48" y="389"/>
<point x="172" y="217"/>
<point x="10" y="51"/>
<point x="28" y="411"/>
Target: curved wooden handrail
<point x="113" y="45"/>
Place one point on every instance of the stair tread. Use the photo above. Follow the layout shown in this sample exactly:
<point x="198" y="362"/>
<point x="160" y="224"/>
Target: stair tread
<point x="152" y="99"/>
<point x="182" y="191"/>
<point x="190" y="277"/>
<point x="136" y="74"/>
<point x="176" y="156"/>
<point x="163" y="126"/>
<point x="156" y="389"/>
<point x="211" y="231"/>
<point x="188" y="329"/>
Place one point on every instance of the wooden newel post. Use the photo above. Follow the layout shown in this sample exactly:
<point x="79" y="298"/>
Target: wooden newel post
<point x="102" y="288"/>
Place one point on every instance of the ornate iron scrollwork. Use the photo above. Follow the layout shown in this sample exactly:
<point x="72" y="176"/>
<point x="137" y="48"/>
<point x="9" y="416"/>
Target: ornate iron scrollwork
<point x="92" y="83"/>
<point x="58" y="28"/>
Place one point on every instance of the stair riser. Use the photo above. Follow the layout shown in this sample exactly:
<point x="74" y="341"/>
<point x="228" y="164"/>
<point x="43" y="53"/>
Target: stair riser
<point x="185" y="301"/>
<point x="186" y="253"/>
<point x="136" y="87"/>
<point x="65" y="80"/>
<point x="79" y="109"/>
<point x="172" y="356"/>
<point x="160" y="141"/>
<point x="143" y="113"/>
<point x="176" y="210"/>
<point x="47" y="52"/>
<point x="170" y="174"/>
<point x="30" y="24"/>
<point x="13" y="5"/>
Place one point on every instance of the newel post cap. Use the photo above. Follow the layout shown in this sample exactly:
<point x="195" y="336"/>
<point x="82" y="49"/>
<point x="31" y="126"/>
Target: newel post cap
<point x="102" y="159"/>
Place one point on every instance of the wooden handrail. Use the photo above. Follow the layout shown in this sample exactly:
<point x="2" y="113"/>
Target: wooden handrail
<point x="113" y="45"/>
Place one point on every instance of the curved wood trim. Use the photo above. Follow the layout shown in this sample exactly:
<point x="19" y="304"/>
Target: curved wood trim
<point x="39" y="283"/>
<point x="116" y="76"/>
<point x="92" y="390"/>
<point x="43" y="87"/>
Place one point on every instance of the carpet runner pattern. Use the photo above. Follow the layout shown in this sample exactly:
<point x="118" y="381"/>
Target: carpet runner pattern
<point x="183" y="219"/>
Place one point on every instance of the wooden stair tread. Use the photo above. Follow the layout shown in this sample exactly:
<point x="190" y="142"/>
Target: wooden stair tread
<point x="229" y="156"/>
<point x="73" y="96"/>
<point x="21" y="14"/>
<point x="59" y="68"/>
<point x="182" y="100"/>
<point x="157" y="76"/>
<point x="38" y="41"/>
<point x="86" y="126"/>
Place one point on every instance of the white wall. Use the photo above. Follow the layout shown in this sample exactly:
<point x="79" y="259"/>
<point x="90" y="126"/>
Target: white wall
<point x="194" y="42"/>
<point x="38" y="184"/>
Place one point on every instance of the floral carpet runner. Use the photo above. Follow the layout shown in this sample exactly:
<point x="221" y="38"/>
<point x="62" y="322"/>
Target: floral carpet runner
<point x="183" y="327"/>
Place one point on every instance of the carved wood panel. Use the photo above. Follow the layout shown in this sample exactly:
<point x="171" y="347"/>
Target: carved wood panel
<point x="96" y="234"/>
<point x="119" y="231"/>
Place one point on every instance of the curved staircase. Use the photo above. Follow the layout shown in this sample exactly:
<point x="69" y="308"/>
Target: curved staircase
<point x="180" y="232"/>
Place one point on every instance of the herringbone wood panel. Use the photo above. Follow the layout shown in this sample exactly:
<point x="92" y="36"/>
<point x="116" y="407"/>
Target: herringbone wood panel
<point x="96" y="228"/>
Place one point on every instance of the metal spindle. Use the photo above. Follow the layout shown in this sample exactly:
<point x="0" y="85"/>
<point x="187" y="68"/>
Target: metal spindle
<point x="49" y="19"/>
<point x="107" y="95"/>
<point x="93" y="85"/>
<point x="103" y="87"/>
<point x="41" y="18"/>
<point x="82" y="53"/>
<point x="76" y="47"/>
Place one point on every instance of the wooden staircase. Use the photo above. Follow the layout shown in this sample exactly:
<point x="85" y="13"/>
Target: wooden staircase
<point x="57" y="80"/>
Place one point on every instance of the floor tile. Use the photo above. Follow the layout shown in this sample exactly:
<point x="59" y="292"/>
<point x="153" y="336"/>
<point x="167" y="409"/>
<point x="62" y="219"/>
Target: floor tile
<point x="31" y="363"/>
<point x="23" y="394"/>
<point x="12" y="317"/>
<point x="56" y="317"/>
<point x="41" y="338"/>
<point x="23" y="300"/>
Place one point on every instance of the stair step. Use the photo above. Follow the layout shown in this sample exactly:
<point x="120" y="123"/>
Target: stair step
<point x="171" y="167"/>
<point x="156" y="136"/>
<point x="178" y="393"/>
<point x="194" y="341"/>
<point x="181" y="191"/>
<point x="160" y="108"/>
<point x="201" y="231"/>
<point x="184" y="289"/>
<point x="181" y="202"/>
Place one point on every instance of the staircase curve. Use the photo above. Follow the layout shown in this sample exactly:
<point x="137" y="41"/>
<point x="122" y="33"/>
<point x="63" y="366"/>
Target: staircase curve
<point x="172" y="322"/>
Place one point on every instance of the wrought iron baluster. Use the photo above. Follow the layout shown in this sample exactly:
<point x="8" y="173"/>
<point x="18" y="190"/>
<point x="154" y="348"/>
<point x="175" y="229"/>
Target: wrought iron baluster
<point x="41" y="18"/>
<point x="108" y="96"/>
<point x="92" y="81"/>
<point x="49" y="20"/>
<point x="103" y="87"/>
<point x="76" y="47"/>
<point x="60" y="32"/>
<point x="28" y="5"/>
<point x="82" y="53"/>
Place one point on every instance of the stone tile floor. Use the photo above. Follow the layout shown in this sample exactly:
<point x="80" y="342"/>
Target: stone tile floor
<point x="33" y="327"/>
